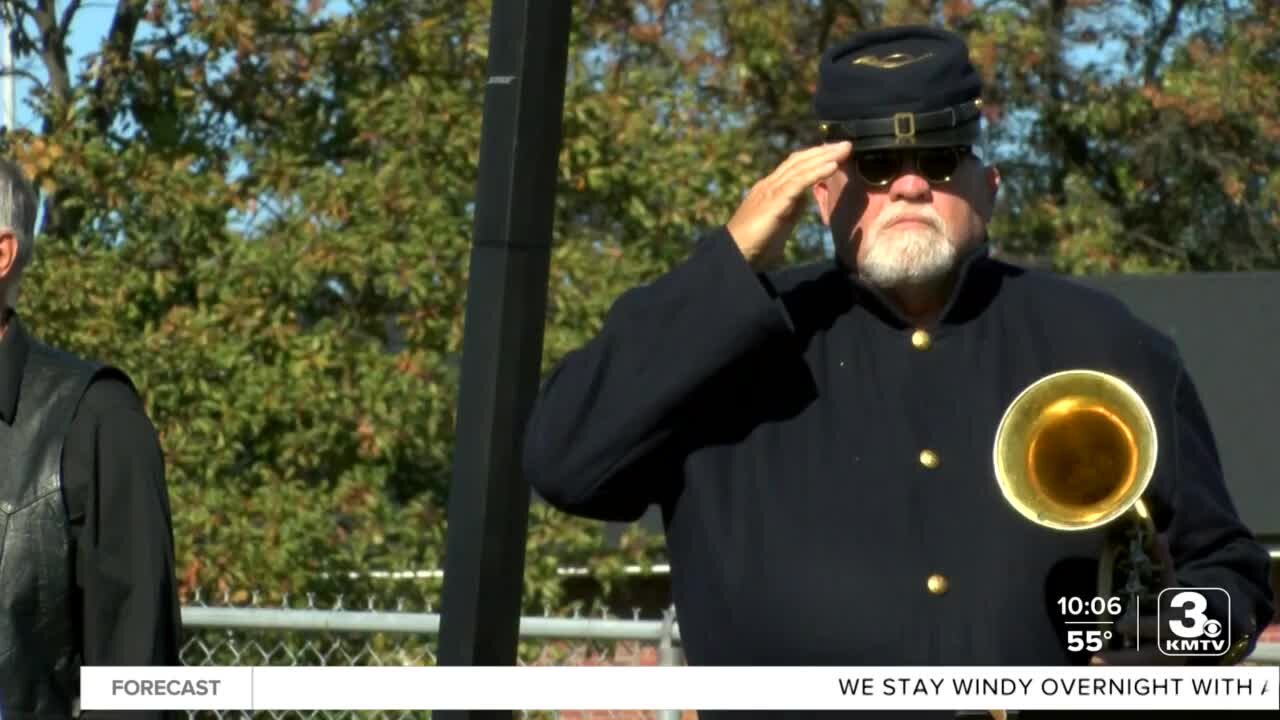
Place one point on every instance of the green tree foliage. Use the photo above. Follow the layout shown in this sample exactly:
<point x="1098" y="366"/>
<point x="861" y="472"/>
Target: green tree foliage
<point x="1142" y="135"/>
<point x="262" y="210"/>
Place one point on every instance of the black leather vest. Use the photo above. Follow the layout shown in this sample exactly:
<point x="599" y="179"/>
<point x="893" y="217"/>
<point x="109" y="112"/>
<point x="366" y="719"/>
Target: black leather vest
<point x="39" y="662"/>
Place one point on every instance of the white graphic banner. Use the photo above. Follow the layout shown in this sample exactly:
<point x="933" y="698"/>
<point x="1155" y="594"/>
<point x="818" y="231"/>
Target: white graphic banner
<point x="680" y="688"/>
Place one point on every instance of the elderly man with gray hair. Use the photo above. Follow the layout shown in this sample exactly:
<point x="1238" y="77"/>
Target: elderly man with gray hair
<point x="86" y="544"/>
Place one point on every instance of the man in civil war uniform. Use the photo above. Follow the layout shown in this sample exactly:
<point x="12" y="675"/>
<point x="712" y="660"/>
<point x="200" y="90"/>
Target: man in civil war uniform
<point x="820" y="439"/>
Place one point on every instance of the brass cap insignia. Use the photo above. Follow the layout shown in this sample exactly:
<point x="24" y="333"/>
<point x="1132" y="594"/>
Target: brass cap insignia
<point x="891" y="61"/>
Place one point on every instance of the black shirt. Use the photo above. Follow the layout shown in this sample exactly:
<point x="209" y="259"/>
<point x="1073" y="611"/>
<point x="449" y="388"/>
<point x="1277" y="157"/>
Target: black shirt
<point x="824" y="468"/>
<point x="122" y="538"/>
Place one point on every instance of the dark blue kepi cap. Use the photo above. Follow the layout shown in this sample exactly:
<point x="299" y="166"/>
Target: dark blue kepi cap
<point x="911" y="86"/>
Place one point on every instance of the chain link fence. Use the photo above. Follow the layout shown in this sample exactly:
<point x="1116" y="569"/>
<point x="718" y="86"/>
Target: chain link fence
<point x="309" y="632"/>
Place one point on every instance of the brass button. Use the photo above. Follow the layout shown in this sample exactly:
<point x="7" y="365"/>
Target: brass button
<point x="921" y="340"/>
<point x="937" y="584"/>
<point x="929" y="459"/>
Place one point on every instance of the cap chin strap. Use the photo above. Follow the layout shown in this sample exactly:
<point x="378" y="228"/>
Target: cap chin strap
<point x="903" y="127"/>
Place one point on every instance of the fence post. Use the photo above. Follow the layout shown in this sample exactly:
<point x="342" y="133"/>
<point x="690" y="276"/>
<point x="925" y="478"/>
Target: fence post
<point x="668" y="655"/>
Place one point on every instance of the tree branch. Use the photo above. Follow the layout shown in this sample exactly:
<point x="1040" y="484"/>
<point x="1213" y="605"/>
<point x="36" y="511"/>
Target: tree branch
<point x="53" y="53"/>
<point x="54" y="28"/>
<point x="16" y="14"/>
<point x="68" y="13"/>
<point x="124" y="25"/>
<point x="1156" y="48"/>
<point x="25" y="75"/>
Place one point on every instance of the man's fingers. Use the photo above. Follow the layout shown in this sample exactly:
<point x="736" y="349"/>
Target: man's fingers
<point x="804" y="169"/>
<point x="809" y="169"/>
<point x="801" y="157"/>
<point x="798" y="171"/>
<point x="786" y="191"/>
<point x="803" y="177"/>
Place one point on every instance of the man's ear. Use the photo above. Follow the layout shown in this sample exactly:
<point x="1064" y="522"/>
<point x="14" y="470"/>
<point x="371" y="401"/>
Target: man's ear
<point x="825" y="200"/>
<point x="8" y="252"/>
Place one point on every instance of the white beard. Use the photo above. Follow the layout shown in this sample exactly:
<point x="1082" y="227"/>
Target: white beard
<point x="907" y="255"/>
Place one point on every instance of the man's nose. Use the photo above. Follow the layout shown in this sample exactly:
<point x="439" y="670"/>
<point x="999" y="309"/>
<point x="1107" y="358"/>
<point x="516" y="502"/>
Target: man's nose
<point x="909" y="186"/>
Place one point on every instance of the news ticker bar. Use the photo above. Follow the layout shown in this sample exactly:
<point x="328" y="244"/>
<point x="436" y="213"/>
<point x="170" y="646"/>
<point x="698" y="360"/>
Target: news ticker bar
<point x="680" y="688"/>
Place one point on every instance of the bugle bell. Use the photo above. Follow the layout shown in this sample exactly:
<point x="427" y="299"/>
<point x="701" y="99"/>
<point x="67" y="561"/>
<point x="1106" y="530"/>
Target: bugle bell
<point x="1076" y="450"/>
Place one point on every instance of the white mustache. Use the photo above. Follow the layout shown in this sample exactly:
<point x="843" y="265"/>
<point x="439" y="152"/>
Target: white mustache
<point x="895" y="213"/>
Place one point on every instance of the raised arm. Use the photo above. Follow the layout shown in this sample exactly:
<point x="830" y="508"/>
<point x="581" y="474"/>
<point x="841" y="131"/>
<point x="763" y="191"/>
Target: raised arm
<point x="611" y="407"/>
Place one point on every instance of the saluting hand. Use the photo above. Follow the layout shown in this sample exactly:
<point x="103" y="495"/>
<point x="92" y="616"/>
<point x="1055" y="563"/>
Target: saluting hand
<point x="769" y="213"/>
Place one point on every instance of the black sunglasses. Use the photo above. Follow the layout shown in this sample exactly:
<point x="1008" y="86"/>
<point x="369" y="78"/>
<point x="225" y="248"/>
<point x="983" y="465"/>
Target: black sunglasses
<point x="878" y="168"/>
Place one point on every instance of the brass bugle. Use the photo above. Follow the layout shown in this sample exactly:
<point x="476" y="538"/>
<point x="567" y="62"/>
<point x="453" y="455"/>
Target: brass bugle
<point x="1075" y="450"/>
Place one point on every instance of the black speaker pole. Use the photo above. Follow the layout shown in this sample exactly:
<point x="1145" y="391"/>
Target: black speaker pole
<point x="503" y="334"/>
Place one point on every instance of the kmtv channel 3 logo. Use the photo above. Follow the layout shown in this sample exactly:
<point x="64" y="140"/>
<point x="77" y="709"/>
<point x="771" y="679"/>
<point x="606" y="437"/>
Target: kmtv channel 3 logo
<point x="1185" y="627"/>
